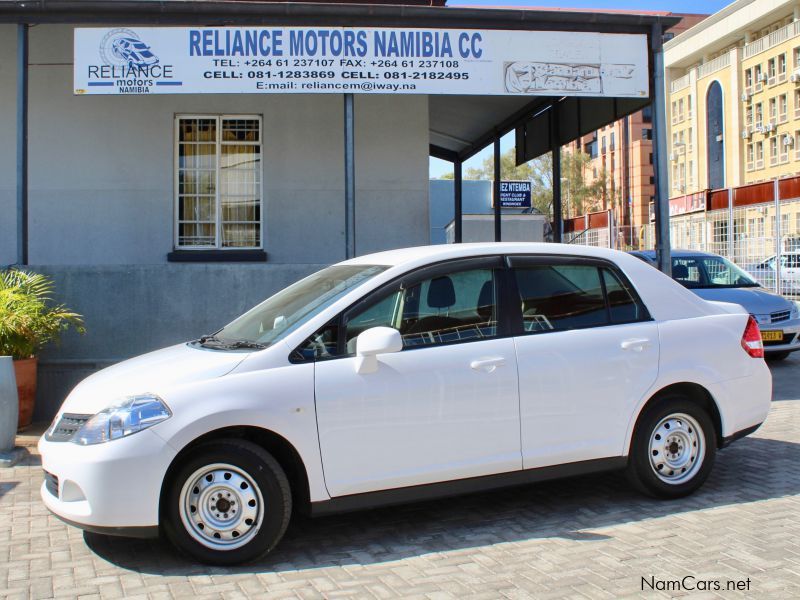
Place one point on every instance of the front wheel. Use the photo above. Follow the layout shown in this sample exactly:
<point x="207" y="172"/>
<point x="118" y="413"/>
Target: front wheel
<point x="673" y="448"/>
<point x="229" y="502"/>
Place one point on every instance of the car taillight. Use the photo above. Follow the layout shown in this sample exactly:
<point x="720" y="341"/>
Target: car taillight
<point x="751" y="339"/>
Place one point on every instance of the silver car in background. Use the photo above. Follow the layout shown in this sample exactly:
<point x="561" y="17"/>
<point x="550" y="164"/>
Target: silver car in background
<point x="714" y="277"/>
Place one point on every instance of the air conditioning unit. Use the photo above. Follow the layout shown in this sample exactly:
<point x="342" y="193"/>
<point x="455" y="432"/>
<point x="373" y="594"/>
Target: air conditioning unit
<point x="746" y="95"/>
<point x="673" y="156"/>
<point x="760" y="128"/>
<point x="746" y="134"/>
<point x="788" y="140"/>
<point x="769" y="128"/>
<point x="795" y="76"/>
<point x="762" y="77"/>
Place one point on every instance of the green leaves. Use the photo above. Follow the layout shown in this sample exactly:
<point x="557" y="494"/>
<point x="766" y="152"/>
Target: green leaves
<point x="28" y="318"/>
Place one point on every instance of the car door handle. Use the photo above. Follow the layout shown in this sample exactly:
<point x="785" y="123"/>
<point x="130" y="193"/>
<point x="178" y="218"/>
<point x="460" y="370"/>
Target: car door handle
<point x="637" y="345"/>
<point x="487" y="364"/>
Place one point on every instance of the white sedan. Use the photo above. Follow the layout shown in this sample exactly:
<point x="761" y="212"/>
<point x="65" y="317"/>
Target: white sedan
<point x="408" y="375"/>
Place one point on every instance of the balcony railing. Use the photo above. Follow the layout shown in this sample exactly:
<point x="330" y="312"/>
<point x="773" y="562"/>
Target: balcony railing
<point x="773" y="39"/>
<point x="714" y="65"/>
<point x="679" y="84"/>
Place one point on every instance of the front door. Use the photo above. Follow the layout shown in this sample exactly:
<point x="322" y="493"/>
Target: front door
<point x="445" y="407"/>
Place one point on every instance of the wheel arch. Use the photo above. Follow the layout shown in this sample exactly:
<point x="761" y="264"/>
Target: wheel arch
<point x="279" y="447"/>
<point x="696" y="393"/>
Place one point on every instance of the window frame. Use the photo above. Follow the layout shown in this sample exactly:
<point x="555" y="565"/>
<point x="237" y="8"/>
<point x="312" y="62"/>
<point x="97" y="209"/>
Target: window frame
<point x="522" y="261"/>
<point x="217" y="247"/>
<point x="509" y="312"/>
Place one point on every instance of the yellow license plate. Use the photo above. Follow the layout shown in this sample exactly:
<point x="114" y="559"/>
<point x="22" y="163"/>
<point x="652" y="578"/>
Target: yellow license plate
<point x="772" y="336"/>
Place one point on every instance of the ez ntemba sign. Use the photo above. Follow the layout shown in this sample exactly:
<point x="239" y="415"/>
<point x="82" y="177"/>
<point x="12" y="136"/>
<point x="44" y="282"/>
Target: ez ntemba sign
<point x="515" y="194"/>
<point x="313" y="60"/>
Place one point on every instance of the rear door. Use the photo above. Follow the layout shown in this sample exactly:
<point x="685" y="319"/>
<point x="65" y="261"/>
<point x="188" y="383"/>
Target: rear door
<point x="587" y="352"/>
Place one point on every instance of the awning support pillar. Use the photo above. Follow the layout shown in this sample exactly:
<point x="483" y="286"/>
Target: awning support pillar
<point x="496" y="191"/>
<point x="555" y="148"/>
<point x="663" y="253"/>
<point x="458" y="185"/>
<point x="349" y="178"/>
<point x="22" y="144"/>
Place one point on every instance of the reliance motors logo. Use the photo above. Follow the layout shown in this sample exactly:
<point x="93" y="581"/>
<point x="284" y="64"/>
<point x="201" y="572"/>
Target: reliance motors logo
<point x="124" y="47"/>
<point x="128" y="64"/>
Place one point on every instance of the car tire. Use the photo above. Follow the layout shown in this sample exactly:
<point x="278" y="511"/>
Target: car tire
<point x="228" y="502"/>
<point x="673" y="448"/>
<point x="776" y="356"/>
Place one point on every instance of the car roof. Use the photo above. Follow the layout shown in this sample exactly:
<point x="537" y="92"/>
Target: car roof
<point x="429" y="254"/>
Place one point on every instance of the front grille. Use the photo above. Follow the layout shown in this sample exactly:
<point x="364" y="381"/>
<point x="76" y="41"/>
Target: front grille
<point x="67" y="426"/>
<point x="781" y="315"/>
<point x="51" y="483"/>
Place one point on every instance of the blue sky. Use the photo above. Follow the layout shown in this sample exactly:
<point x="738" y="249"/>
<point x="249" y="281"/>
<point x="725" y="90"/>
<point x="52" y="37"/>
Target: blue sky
<point x="687" y="6"/>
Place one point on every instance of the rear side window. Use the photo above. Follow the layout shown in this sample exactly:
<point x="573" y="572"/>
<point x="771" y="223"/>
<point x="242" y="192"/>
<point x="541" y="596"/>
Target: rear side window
<point x="622" y="305"/>
<point x="560" y="297"/>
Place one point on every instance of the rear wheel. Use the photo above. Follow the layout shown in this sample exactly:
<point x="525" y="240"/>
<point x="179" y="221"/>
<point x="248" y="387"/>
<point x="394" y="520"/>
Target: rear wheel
<point x="673" y="448"/>
<point x="229" y="502"/>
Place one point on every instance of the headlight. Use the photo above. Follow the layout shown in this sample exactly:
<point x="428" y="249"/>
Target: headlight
<point x="122" y="418"/>
<point x="795" y="314"/>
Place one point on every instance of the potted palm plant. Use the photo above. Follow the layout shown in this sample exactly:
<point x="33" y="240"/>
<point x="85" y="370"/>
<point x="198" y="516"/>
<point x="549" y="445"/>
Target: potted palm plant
<point x="28" y="321"/>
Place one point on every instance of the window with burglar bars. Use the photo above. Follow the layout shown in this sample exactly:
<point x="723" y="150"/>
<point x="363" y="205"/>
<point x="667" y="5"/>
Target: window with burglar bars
<point x="218" y="182"/>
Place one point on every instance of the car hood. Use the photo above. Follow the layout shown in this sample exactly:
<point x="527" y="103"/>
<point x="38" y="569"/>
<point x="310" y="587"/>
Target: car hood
<point x="150" y="373"/>
<point x="755" y="300"/>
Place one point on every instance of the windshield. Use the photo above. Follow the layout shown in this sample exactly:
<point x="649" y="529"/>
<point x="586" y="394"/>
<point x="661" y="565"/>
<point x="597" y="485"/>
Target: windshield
<point x="709" y="272"/>
<point x="289" y="308"/>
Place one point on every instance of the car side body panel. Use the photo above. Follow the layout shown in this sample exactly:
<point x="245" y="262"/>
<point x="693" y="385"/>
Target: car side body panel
<point x="280" y="399"/>
<point x="707" y="351"/>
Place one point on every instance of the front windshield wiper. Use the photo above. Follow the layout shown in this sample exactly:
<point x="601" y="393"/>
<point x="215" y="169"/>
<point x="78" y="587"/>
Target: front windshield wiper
<point x="245" y="344"/>
<point x="212" y="341"/>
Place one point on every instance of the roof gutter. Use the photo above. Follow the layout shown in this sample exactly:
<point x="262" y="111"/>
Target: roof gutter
<point x="238" y="12"/>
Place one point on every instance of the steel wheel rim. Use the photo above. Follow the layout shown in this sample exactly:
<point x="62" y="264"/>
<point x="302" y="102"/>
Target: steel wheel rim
<point x="677" y="448"/>
<point x="221" y="506"/>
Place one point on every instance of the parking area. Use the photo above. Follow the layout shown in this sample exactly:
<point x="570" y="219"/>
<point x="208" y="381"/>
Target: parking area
<point x="586" y="537"/>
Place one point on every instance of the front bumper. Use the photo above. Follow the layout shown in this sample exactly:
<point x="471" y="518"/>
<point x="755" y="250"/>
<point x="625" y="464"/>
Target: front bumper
<point x="109" y="487"/>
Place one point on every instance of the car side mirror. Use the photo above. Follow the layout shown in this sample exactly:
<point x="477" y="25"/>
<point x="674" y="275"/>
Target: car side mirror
<point x="371" y="343"/>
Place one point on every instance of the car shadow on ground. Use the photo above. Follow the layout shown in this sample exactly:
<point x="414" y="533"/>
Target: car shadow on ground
<point x="7" y="486"/>
<point x="571" y="509"/>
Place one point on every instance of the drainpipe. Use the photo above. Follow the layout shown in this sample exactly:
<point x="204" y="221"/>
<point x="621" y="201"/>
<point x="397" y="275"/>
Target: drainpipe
<point x="22" y="144"/>
<point x="349" y="178"/>
<point x="663" y="252"/>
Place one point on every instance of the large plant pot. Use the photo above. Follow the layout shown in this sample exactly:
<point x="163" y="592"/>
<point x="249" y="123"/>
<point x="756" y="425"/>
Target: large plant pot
<point x="25" y="372"/>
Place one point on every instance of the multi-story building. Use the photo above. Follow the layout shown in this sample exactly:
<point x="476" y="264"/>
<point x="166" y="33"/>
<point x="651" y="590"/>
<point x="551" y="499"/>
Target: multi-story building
<point x="622" y="153"/>
<point x="734" y="98"/>
<point x="733" y="116"/>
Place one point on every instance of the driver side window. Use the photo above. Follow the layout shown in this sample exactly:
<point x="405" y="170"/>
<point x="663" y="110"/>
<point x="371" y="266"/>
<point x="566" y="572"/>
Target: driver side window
<point x="450" y="308"/>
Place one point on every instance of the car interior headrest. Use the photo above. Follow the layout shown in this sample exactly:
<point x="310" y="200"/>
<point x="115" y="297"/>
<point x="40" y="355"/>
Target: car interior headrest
<point x="680" y="271"/>
<point x="441" y="293"/>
